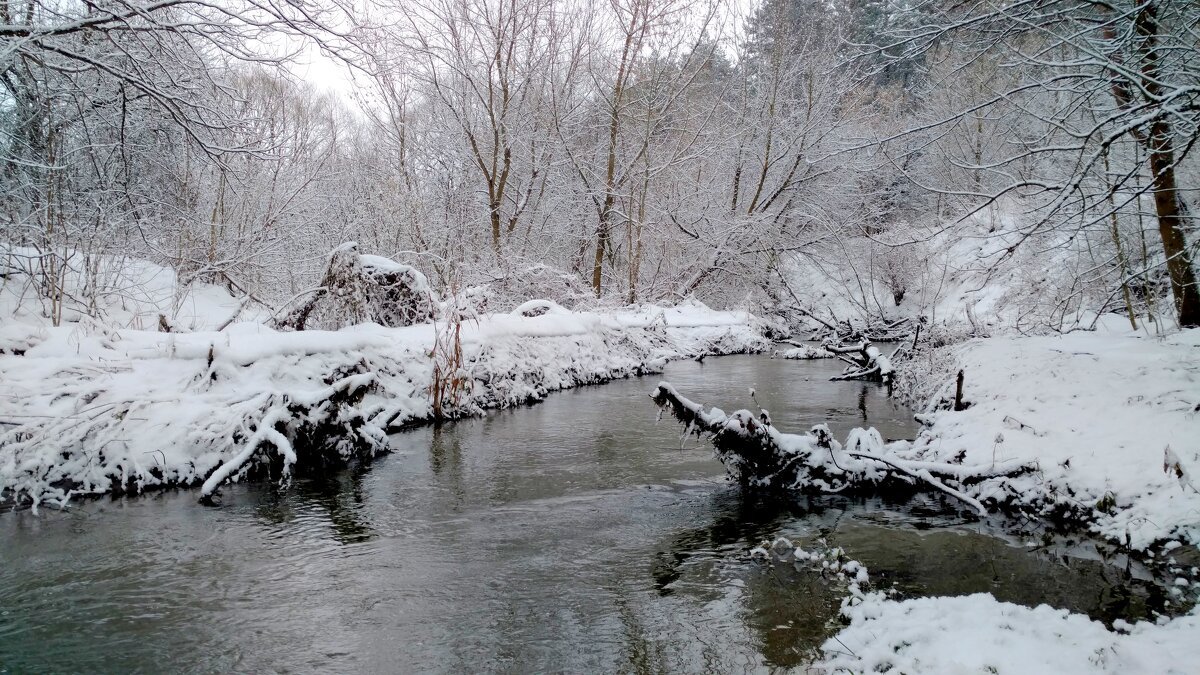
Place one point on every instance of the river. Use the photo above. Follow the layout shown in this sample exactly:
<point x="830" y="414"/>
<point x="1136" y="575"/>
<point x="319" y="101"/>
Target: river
<point x="577" y="535"/>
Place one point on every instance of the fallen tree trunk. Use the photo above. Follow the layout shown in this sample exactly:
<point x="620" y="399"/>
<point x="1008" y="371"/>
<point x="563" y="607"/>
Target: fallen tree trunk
<point x="867" y="362"/>
<point x="759" y="456"/>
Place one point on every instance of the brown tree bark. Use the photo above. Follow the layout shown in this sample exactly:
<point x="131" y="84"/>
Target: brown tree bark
<point x="1168" y="204"/>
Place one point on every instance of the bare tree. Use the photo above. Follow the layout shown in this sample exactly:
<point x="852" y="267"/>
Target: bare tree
<point x="1085" y="78"/>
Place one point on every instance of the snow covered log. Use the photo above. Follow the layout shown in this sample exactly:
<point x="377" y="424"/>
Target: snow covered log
<point x="868" y="363"/>
<point x="803" y="352"/>
<point x="759" y="456"/>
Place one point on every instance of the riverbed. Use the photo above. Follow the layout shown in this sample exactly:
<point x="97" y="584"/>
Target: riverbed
<point x="577" y="535"/>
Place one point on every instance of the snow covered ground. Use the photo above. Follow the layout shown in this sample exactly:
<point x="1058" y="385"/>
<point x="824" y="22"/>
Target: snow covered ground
<point x="1112" y="420"/>
<point x="91" y="409"/>
<point x="1097" y="412"/>
<point x="128" y="293"/>
<point x="978" y="634"/>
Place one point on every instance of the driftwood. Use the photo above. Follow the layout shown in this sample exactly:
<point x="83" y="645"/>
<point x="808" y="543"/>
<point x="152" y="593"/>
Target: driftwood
<point x="865" y="362"/>
<point x="759" y="456"/>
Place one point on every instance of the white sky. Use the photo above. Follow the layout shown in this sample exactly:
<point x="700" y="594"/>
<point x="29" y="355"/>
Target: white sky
<point x="333" y="76"/>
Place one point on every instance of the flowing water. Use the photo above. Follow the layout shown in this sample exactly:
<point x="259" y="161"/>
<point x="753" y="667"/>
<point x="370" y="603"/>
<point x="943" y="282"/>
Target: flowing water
<point x="577" y="535"/>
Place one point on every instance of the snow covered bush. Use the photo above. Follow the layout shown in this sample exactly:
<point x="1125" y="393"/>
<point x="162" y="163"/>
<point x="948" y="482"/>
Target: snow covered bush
<point x="524" y="281"/>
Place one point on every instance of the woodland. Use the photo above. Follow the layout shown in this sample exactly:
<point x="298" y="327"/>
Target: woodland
<point x="1026" y="165"/>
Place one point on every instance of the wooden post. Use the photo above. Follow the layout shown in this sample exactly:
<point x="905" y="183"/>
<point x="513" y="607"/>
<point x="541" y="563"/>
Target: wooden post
<point x="958" y="402"/>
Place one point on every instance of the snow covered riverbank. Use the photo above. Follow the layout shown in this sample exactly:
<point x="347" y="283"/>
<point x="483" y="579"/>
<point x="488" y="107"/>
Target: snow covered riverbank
<point x="978" y="634"/>
<point x="91" y="410"/>
<point x="1113" y="423"/>
<point x="1100" y="430"/>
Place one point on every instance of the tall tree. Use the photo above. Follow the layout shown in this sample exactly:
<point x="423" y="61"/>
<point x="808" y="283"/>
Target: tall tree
<point x="1089" y="76"/>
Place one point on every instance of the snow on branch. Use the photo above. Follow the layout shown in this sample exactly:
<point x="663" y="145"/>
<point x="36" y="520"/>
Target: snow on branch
<point x="758" y="455"/>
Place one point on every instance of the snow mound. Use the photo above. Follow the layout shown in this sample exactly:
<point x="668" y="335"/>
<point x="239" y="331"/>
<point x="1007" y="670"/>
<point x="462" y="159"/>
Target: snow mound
<point x="978" y="634"/>
<point x="538" y="308"/>
<point x="359" y="288"/>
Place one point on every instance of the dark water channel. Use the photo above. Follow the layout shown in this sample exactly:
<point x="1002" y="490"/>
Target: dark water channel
<point x="574" y="536"/>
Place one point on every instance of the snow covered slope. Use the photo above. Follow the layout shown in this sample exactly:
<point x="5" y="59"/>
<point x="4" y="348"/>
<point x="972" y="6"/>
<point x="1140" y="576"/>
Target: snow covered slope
<point x="1112" y="421"/>
<point x="127" y="293"/>
<point x="982" y="273"/>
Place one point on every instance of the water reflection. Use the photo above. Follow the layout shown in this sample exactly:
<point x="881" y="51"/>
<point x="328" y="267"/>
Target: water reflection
<point x="337" y="498"/>
<point x="446" y="463"/>
<point x="740" y="521"/>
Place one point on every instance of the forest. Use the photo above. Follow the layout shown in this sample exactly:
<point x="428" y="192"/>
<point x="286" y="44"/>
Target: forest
<point x="614" y="152"/>
<point x="281" y="280"/>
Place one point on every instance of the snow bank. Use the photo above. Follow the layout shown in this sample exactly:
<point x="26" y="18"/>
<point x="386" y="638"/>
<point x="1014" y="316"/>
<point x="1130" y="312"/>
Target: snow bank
<point x="978" y="634"/>
<point x="123" y="291"/>
<point x="1097" y="412"/>
<point x="88" y="409"/>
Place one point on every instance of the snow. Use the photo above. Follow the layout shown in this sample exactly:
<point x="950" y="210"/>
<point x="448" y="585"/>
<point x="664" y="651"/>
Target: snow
<point x="978" y="634"/>
<point x="137" y="292"/>
<point x="90" y="409"/>
<point x="1099" y="413"/>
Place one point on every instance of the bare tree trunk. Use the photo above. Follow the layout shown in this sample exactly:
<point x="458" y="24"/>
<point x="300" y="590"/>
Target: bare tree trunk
<point x="1167" y="202"/>
<point x="633" y="39"/>
<point x="1122" y="261"/>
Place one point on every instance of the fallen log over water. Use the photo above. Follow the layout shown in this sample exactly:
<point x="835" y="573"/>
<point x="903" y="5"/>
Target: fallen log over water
<point x="865" y="361"/>
<point x="760" y="456"/>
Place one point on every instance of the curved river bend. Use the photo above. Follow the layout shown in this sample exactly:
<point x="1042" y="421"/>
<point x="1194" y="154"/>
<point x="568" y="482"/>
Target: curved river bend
<point x="577" y="535"/>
